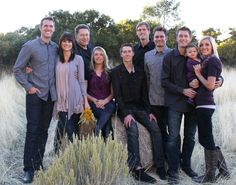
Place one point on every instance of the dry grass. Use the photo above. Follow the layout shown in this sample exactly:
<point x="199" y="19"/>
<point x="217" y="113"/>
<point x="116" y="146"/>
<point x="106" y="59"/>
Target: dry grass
<point x="12" y="132"/>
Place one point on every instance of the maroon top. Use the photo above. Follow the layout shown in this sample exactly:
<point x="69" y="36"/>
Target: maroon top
<point x="99" y="87"/>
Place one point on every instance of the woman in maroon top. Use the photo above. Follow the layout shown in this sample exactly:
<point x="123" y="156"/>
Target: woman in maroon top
<point x="100" y="92"/>
<point x="208" y="73"/>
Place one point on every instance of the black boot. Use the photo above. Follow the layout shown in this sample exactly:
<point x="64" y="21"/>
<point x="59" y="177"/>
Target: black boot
<point x="223" y="170"/>
<point x="28" y="177"/>
<point x="211" y="160"/>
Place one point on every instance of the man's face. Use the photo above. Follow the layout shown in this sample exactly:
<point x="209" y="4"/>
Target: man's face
<point x="127" y="54"/>
<point x="143" y="32"/>
<point x="83" y="37"/>
<point x="160" y="39"/>
<point x="183" y="39"/>
<point x="47" y="29"/>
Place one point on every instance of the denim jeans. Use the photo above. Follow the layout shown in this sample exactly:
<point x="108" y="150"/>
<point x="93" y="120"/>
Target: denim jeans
<point x="174" y="142"/>
<point x="103" y="117"/>
<point x="66" y="126"/>
<point x="204" y="123"/>
<point x="133" y="143"/>
<point x="39" y="115"/>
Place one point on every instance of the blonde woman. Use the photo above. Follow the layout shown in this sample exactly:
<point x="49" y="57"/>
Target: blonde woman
<point x="208" y="73"/>
<point x="100" y="92"/>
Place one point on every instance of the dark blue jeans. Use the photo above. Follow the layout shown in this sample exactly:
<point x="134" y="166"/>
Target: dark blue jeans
<point x="204" y="123"/>
<point x="39" y="115"/>
<point x="174" y="141"/>
<point x="133" y="143"/>
<point x="103" y="117"/>
<point x="66" y="126"/>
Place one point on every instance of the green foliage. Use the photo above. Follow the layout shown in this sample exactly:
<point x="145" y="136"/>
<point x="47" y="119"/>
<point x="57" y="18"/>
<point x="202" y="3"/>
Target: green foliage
<point x="88" y="162"/>
<point x="164" y="11"/>
<point x="227" y="52"/>
<point x="215" y="33"/>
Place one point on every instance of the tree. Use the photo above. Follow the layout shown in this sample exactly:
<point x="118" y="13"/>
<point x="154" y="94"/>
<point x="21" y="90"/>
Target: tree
<point x="164" y="11"/>
<point x="215" y="33"/>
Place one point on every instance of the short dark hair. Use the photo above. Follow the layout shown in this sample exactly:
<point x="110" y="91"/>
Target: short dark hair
<point x="70" y="37"/>
<point x="46" y="18"/>
<point x="160" y="28"/>
<point x="81" y="26"/>
<point x="143" y="23"/>
<point x="126" y="44"/>
<point x="184" y="28"/>
<point x="191" y="45"/>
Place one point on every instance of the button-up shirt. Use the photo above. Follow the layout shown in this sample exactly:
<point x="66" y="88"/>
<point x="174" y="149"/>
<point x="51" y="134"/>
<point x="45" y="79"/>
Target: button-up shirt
<point x="139" y="52"/>
<point x="130" y="89"/>
<point x="153" y="61"/>
<point x="41" y="57"/>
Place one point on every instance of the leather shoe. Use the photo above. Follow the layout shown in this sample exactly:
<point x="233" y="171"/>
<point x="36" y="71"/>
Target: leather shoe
<point x="28" y="177"/>
<point x="190" y="172"/>
<point x="161" y="172"/>
<point x="173" y="177"/>
<point x="141" y="175"/>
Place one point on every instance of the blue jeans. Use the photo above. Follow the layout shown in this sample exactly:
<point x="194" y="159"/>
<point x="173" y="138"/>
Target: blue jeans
<point x="174" y="142"/>
<point x="39" y="115"/>
<point x="103" y="117"/>
<point x="68" y="126"/>
<point x="133" y="143"/>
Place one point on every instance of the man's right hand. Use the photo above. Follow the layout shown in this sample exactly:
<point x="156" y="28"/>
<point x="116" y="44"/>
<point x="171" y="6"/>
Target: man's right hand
<point x="33" y="90"/>
<point x="128" y="120"/>
<point x="189" y="92"/>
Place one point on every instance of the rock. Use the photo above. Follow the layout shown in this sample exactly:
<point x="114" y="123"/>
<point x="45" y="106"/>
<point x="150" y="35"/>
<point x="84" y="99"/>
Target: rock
<point x="145" y="146"/>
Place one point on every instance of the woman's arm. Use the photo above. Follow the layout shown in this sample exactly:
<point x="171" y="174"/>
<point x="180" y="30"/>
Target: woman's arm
<point x="209" y="83"/>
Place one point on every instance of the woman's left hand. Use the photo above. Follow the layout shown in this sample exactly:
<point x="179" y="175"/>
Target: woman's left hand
<point x="86" y="105"/>
<point x="101" y="104"/>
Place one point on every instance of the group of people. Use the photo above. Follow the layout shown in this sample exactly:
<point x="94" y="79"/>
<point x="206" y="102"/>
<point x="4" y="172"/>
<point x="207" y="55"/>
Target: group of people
<point x="154" y="85"/>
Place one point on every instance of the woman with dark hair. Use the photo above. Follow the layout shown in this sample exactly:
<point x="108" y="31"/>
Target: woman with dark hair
<point x="208" y="73"/>
<point x="100" y="92"/>
<point x="71" y="89"/>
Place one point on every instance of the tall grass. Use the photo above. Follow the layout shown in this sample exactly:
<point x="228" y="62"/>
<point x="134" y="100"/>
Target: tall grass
<point x="12" y="132"/>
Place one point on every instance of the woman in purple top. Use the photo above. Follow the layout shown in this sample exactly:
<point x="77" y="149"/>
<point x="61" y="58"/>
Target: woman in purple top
<point x="100" y="92"/>
<point x="208" y="73"/>
<point x="71" y="90"/>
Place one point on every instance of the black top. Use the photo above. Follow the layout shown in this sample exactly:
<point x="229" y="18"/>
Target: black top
<point x="130" y="90"/>
<point x="86" y="55"/>
<point x="174" y="81"/>
<point x="139" y="52"/>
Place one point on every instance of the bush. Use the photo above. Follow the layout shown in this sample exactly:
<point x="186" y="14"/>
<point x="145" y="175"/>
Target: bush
<point x="88" y="162"/>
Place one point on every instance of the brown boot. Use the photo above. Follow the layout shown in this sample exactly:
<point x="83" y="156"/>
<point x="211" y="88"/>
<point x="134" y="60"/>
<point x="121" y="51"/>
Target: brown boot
<point x="211" y="159"/>
<point x="223" y="170"/>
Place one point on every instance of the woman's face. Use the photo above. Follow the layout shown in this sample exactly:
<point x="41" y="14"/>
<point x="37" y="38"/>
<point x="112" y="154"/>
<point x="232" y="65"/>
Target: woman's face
<point x="205" y="47"/>
<point x="66" y="45"/>
<point x="98" y="57"/>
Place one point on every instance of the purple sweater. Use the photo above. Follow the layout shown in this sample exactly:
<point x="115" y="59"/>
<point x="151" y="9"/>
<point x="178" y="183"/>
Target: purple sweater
<point x="211" y="66"/>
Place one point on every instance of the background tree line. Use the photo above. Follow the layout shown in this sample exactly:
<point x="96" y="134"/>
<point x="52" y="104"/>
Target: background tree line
<point x="110" y="35"/>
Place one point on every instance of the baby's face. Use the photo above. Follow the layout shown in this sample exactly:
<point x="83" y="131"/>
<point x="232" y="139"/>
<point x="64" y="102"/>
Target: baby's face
<point x="192" y="52"/>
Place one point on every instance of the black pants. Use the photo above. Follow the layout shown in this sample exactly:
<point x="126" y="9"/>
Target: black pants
<point x="133" y="143"/>
<point x="39" y="115"/>
<point x="204" y="122"/>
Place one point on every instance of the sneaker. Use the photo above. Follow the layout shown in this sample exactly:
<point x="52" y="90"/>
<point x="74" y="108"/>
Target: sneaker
<point x="141" y="175"/>
<point x="161" y="172"/>
<point x="27" y="177"/>
<point x="190" y="172"/>
<point x="173" y="177"/>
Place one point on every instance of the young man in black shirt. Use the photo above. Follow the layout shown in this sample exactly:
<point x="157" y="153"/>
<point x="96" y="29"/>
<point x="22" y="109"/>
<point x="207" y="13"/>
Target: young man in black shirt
<point x="129" y="83"/>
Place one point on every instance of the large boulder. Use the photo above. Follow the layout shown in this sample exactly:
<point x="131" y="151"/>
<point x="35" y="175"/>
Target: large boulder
<point x="144" y="141"/>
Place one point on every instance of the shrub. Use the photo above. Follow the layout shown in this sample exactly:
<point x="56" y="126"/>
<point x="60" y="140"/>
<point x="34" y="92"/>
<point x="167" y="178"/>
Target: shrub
<point x="88" y="162"/>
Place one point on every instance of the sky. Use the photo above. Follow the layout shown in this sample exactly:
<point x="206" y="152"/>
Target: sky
<point x="196" y="14"/>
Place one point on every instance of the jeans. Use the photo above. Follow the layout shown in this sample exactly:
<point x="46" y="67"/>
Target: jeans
<point x="39" y="115"/>
<point x="204" y="123"/>
<point x="103" y="117"/>
<point x="174" y="141"/>
<point x="66" y="126"/>
<point x="133" y="143"/>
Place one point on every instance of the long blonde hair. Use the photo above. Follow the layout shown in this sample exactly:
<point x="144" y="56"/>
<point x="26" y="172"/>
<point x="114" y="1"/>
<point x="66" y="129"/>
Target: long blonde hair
<point x="213" y="45"/>
<point x="105" y="62"/>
